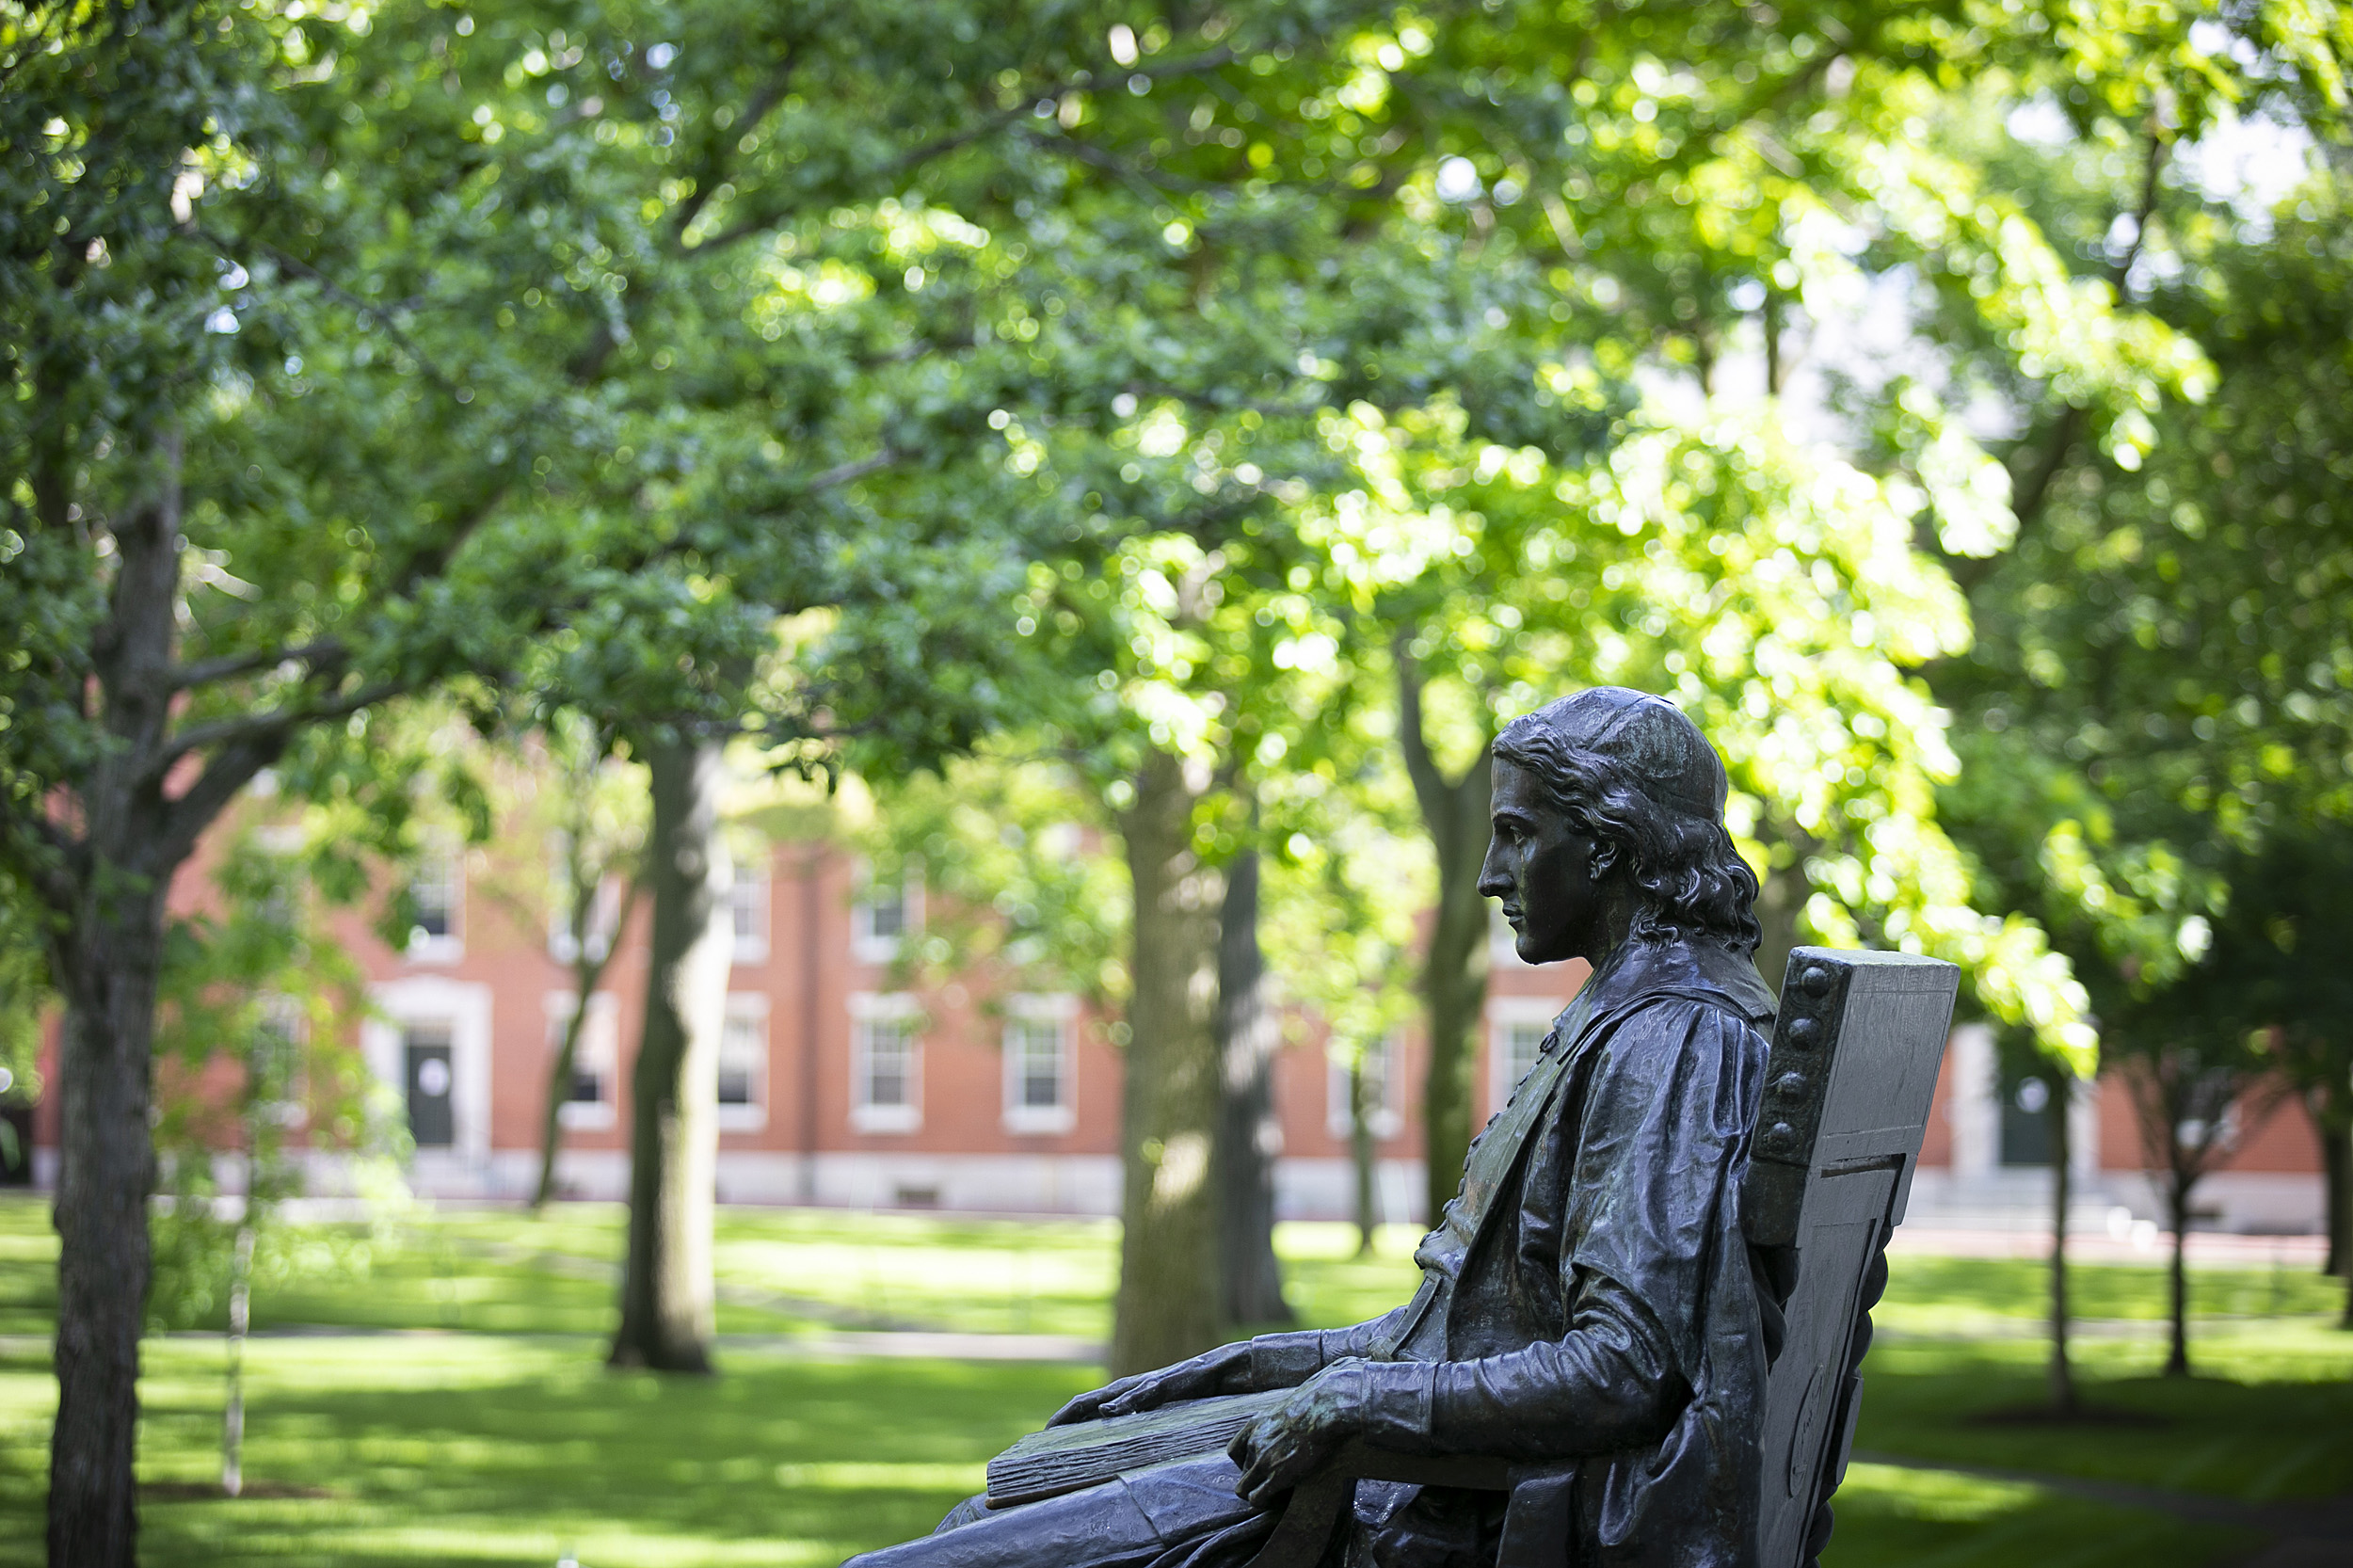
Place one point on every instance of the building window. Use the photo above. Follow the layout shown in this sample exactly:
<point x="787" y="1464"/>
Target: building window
<point x="1517" y="1045"/>
<point x="1038" y="1065"/>
<point x="1516" y="1027"/>
<point x="1385" y="1090"/>
<point x="886" y="1064"/>
<point x="884" y="914"/>
<point x="604" y="913"/>
<point x="280" y="1077"/>
<point x="589" y="1101"/>
<point x="743" y="1065"/>
<point x="747" y="907"/>
<point x="430" y="1080"/>
<point x="437" y="895"/>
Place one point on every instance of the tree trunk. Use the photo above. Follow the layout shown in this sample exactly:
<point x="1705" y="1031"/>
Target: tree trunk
<point x="1780" y="905"/>
<point x="1167" y="1304"/>
<point x="666" y="1288"/>
<point x="1248" y="1135"/>
<point x="2336" y="1144"/>
<point x="104" y="960"/>
<point x="560" y="1075"/>
<point x="1454" y="979"/>
<point x="2339" y="1140"/>
<point x="240" y="1306"/>
<point x="591" y="957"/>
<point x="106" y="1171"/>
<point x="2063" y="1399"/>
<point x="2177" y="1196"/>
<point x="1360" y="1156"/>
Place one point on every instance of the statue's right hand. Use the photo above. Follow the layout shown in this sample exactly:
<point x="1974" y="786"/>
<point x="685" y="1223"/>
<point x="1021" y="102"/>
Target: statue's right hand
<point x="1223" y="1370"/>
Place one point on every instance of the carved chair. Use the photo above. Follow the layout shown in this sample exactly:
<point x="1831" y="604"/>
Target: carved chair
<point x="1857" y="1043"/>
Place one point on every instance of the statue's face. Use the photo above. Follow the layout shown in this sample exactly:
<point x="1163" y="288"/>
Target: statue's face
<point x="1556" y="884"/>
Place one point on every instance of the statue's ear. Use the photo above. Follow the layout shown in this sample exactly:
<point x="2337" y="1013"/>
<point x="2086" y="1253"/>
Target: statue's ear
<point x="1605" y="861"/>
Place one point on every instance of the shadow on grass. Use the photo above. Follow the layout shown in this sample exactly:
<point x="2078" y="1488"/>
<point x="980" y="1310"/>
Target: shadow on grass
<point x="479" y="1452"/>
<point x="1887" y="1518"/>
<point x="2281" y="1429"/>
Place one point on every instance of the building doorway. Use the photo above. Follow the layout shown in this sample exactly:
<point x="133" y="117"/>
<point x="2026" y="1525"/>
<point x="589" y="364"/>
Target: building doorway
<point x="432" y="1120"/>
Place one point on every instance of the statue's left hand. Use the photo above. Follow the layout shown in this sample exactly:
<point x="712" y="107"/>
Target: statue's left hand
<point x="1298" y="1436"/>
<point x="1223" y="1370"/>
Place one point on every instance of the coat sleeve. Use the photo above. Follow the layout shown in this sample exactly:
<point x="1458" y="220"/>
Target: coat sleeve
<point x="1658" y="1134"/>
<point x="1287" y="1360"/>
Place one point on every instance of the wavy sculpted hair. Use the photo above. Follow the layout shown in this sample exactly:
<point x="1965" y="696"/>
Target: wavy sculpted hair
<point x="1691" y="883"/>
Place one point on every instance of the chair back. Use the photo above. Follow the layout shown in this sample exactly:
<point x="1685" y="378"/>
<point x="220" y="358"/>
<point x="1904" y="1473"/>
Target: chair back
<point x="1857" y="1044"/>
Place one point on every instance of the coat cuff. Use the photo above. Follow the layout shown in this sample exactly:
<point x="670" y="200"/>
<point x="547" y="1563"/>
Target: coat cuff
<point x="1285" y="1360"/>
<point x="1393" y="1401"/>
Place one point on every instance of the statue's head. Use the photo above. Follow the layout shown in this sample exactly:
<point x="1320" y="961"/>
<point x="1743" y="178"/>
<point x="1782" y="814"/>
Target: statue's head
<point x="1609" y="812"/>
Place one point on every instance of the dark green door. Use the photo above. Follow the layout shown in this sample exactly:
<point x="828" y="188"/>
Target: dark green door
<point x="431" y="1122"/>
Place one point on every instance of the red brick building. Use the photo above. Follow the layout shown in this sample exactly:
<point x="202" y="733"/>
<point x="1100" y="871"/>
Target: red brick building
<point x="839" y="1087"/>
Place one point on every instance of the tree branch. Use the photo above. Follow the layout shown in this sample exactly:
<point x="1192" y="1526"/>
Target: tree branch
<point x="1421" y="766"/>
<point x="939" y="147"/>
<point x="708" y="180"/>
<point x="47" y="869"/>
<point x="274" y="727"/>
<point x="2065" y="432"/>
<point x="373" y="313"/>
<point x="186" y="818"/>
<point x="203" y="673"/>
<point x="843" y="473"/>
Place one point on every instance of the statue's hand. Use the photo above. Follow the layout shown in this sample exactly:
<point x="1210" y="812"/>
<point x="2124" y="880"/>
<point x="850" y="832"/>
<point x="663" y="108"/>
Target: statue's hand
<point x="1223" y="1370"/>
<point x="1300" y="1435"/>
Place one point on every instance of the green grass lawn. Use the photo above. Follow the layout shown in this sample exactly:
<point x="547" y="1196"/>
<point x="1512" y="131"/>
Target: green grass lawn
<point x="484" y="1429"/>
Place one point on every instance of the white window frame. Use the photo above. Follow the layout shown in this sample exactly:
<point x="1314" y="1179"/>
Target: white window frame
<point x="1388" y="1117"/>
<point x="867" y="1009"/>
<point x="447" y="947"/>
<point x="747" y="1007"/>
<point x="600" y="1051"/>
<point x="1504" y="1014"/>
<point x="1062" y="1012"/>
<point x="604" y="916"/>
<point x="749" y="891"/>
<point x="865" y="946"/>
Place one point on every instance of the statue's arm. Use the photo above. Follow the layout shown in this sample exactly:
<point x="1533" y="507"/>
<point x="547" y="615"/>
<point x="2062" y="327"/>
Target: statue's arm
<point x="1258" y="1366"/>
<point x="1611" y="1382"/>
<point x="1287" y="1360"/>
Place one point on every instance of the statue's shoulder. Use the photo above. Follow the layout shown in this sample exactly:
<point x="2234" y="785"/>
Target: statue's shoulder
<point x="1666" y="979"/>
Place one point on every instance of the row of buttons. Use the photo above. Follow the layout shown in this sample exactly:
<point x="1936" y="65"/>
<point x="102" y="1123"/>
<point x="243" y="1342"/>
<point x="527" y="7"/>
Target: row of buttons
<point x="1805" y="1032"/>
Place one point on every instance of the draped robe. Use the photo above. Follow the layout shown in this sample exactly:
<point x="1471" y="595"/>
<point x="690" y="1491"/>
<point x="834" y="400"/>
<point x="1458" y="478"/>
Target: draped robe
<point x="1588" y="1304"/>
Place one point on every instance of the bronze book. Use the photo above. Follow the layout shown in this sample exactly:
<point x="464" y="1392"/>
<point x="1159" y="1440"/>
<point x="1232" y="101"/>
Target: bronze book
<point x="1066" y="1458"/>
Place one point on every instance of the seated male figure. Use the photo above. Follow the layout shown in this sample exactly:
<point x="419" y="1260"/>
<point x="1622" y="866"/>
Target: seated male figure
<point x="1588" y="1300"/>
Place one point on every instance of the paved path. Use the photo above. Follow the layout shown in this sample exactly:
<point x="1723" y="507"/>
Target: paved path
<point x="2095" y="1244"/>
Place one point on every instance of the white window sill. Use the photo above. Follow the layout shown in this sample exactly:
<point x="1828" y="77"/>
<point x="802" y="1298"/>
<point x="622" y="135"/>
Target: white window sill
<point x="435" y="950"/>
<point x="1385" y="1126"/>
<point x="751" y="950"/>
<point x="743" y="1118"/>
<point x="1035" y="1119"/>
<point x="886" y="1118"/>
<point x="874" y="950"/>
<point x="584" y="1115"/>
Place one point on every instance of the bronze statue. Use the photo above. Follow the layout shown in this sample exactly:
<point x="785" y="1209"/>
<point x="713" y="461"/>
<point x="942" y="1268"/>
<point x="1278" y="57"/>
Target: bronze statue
<point x="1582" y="1377"/>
